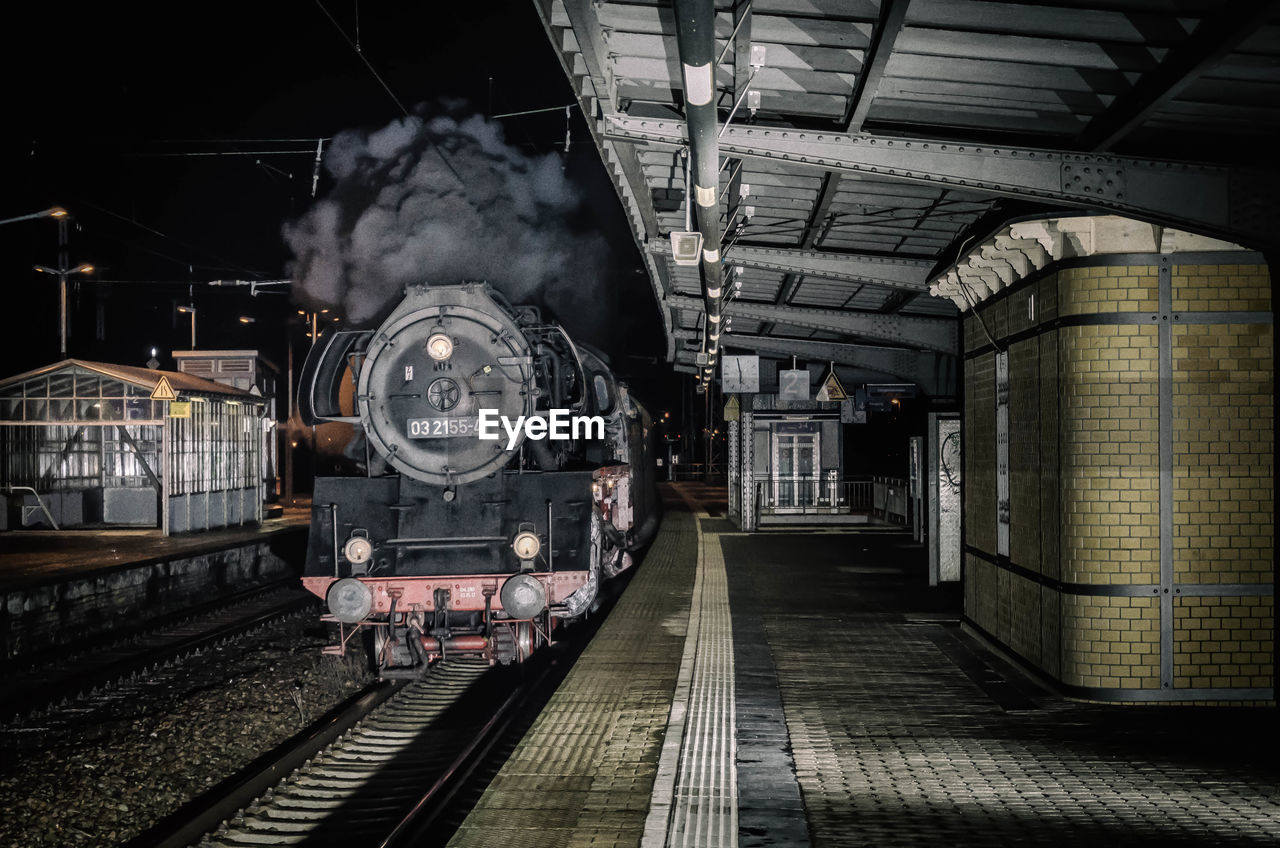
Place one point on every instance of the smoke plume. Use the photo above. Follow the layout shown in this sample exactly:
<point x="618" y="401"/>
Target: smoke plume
<point x="442" y="200"/>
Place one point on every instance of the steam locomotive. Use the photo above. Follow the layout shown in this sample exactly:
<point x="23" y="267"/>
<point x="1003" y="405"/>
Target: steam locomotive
<point x="464" y="537"/>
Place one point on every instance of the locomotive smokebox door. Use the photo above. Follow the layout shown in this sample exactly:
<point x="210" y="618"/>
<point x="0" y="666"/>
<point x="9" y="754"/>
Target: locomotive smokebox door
<point x="441" y="357"/>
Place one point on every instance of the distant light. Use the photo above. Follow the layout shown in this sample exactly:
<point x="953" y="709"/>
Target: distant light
<point x="57" y="212"/>
<point x="185" y="309"/>
<point x="83" y="269"/>
<point x="245" y="319"/>
<point x="322" y="311"/>
<point x="153" y="351"/>
<point x="302" y="312"/>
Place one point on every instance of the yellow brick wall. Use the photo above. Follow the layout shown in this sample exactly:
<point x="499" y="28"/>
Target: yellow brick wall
<point x="1051" y="631"/>
<point x="1111" y="643"/>
<point x="1223" y="642"/>
<point x="1223" y="433"/>
<point x="1024" y="617"/>
<point x="981" y="593"/>
<point x="1050" y="485"/>
<point x="979" y="435"/>
<point x="1108" y="289"/>
<point x="1109" y="464"/>
<point x="1221" y="288"/>
<point x="1087" y="510"/>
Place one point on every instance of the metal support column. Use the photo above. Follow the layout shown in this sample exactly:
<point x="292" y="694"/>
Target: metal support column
<point x="1165" y="354"/>
<point x="748" y="521"/>
<point x="735" y="494"/>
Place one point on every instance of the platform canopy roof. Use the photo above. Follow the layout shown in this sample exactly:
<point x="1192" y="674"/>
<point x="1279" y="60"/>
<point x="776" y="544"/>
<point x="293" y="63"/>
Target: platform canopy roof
<point x="145" y="379"/>
<point x="865" y="144"/>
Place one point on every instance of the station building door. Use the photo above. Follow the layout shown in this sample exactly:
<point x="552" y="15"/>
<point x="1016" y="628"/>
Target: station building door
<point x="795" y="470"/>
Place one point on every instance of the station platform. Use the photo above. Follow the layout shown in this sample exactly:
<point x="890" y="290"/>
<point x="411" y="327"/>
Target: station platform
<point x="34" y="557"/>
<point x="794" y="689"/>
<point x="61" y="588"/>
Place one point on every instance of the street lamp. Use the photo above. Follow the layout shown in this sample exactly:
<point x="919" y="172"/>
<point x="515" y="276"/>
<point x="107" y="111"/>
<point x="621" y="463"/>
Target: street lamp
<point x="62" y="274"/>
<point x="192" y="310"/>
<point x="51" y="212"/>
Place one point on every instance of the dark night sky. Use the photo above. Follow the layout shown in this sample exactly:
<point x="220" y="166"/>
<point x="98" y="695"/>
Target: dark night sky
<point x="107" y="104"/>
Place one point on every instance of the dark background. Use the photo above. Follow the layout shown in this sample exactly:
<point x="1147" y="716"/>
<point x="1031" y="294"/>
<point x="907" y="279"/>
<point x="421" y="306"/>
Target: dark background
<point x="182" y="137"/>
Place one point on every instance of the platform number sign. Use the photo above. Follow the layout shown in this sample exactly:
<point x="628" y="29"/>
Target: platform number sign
<point x="793" y="384"/>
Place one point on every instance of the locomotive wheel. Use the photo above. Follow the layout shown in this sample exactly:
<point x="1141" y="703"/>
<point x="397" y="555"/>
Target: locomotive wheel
<point x="513" y="641"/>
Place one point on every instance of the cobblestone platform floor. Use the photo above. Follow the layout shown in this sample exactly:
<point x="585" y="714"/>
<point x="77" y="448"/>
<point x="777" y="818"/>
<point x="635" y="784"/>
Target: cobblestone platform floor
<point x="904" y="731"/>
<point x="584" y="773"/>
<point x="864" y="717"/>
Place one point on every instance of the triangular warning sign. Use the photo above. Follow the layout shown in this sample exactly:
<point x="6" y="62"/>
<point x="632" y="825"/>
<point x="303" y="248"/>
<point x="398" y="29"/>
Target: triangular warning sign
<point x="731" y="408"/>
<point x="831" y="388"/>
<point x="163" y="391"/>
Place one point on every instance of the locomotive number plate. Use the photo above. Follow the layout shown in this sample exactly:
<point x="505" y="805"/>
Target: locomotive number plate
<point x="442" y="428"/>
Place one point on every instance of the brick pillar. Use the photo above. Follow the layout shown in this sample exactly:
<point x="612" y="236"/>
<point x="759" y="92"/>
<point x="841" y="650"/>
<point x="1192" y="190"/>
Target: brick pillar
<point x="1140" y="474"/>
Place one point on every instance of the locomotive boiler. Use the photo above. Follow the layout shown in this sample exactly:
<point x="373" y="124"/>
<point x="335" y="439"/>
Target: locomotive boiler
<point x="506" y="476"/>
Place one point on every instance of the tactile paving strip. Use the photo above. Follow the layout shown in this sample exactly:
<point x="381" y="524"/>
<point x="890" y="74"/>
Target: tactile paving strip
<point x="704" y="810"/>
<point x="584" y="772"/>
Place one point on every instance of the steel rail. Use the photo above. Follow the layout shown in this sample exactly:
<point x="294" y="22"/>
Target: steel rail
<point x="122" y="661"/>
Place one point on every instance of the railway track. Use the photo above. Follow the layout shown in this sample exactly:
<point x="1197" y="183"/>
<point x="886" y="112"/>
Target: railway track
<point x="375" y="771"/>
<point x="30" y="687"/>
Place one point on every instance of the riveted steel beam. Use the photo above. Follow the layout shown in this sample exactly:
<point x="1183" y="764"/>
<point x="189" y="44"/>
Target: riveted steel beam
<point x="1227" y="202"/>
<point x="893" y="13"/>
<point x="933" y="372"/>
<point x="926" y="332"/>
<point x="588" y="33"/>
<point x="1214" y="37"/>
<point x="910" y="274"/>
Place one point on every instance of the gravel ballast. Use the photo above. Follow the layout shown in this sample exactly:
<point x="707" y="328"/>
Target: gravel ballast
<point x="102" y="771"/>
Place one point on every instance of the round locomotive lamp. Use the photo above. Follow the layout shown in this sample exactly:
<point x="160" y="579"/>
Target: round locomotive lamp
<point x="349" y="600"/>
<point x="526" y="545"/>
<point x="440" y="347"/>
<point x="357" y="550"/>
<point x="523" y="596"/>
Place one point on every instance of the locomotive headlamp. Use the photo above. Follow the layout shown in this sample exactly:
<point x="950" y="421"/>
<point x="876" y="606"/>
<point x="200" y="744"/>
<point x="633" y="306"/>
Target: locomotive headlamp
<point x="440" y="347"/>
<point x="357" y="550"/>
<point x="349" y="600"/>
<point x="526" y="545"/>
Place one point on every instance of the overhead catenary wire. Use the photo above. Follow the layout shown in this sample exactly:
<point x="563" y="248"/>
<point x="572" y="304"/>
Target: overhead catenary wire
<point x="222" y="259"/>
<point x="387" y="88"/>
<point x="534" y="111"/>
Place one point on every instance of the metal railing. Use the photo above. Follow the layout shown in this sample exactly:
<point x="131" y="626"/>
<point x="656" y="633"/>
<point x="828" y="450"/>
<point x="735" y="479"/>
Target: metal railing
<point x="889" y="498"/>
<point x="812" y="495"/>
<point x="698" y="472"/>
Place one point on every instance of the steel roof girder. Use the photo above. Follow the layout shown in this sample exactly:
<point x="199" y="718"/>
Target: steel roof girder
<point x="1233" y="202"/>
<point x="926" y="332"/>
<point x="888" y="271"/>
<point x="932" y="371"/>
<point x="589" y="34"/>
